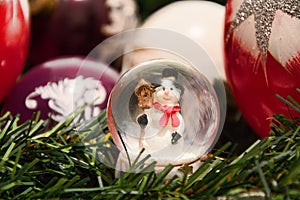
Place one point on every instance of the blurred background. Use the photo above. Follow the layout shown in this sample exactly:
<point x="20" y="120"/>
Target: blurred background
<point x="147" y="7"/>
<point x="71" y="28"/>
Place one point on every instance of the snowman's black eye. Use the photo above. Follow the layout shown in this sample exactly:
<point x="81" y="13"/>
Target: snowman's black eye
<point x="164" y="88"/>
<point x="171" y="88"/>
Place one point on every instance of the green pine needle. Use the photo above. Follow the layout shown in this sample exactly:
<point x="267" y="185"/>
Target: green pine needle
<point x="72" y="162"/>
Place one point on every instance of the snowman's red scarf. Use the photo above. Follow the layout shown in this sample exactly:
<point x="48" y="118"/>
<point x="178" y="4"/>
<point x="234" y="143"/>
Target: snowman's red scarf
<point x="169" y="111"/>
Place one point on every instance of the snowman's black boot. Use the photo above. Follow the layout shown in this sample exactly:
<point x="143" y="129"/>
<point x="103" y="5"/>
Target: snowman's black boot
<point x="175" y="137"/>
<point x="143" y="121"/>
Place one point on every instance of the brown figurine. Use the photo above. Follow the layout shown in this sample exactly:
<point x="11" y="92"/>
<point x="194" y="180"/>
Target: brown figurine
<point x="144" y="92"/>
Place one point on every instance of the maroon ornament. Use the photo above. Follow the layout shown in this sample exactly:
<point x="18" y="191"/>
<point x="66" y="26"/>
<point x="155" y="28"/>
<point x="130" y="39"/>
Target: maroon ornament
<point x="61" y="86"/>
<point x="14" y="36"/>
<point x="262" y="50"/>
<point x="72" y="27"/>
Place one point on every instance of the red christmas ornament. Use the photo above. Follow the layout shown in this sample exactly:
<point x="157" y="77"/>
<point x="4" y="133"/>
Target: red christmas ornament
<point x="262" y="53"/>
<point x="14" y="35"/>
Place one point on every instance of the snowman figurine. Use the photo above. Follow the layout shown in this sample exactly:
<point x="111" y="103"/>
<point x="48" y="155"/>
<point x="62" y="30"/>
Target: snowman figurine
<point x="164" y="116"/>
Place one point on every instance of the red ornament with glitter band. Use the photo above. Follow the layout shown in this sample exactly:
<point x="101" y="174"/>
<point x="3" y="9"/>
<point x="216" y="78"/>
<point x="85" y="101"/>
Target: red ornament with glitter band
<point x="262" y="53"/>
<point x="14" y="36"/>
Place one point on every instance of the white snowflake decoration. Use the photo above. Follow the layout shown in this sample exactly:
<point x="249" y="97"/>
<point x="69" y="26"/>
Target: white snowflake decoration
<point x="67" y="95"/>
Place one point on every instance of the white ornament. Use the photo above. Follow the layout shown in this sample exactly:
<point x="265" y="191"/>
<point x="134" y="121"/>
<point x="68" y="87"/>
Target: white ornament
<point x="200" y="21"/>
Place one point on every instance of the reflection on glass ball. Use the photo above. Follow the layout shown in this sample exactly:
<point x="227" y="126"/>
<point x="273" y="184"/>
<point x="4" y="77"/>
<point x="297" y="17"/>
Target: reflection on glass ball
<point x="169" y="109"/>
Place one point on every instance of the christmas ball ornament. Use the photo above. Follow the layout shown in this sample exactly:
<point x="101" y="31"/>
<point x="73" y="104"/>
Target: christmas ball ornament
<point x="14" y="36"/>
<point x="202" y="22"/>
<point x="60" y="87"/>
<point x="167" y="108"/>
<point x="263" y="58"/>
<point x="72" y="27"/>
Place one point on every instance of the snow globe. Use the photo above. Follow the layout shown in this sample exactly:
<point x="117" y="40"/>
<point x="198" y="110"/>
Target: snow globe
<point x="165" y="112"/>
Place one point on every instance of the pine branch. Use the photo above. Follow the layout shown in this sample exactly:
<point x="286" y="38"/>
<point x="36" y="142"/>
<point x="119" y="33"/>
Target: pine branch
<point x="67" y="161"/>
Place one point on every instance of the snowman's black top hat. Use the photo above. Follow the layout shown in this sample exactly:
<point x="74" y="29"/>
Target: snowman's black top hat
<point x="172" y="74"/>
<point x="168" y="72"/>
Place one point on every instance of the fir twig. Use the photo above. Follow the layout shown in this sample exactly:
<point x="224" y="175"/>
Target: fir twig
<point x="68" y="161"/>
